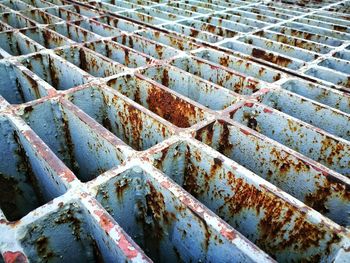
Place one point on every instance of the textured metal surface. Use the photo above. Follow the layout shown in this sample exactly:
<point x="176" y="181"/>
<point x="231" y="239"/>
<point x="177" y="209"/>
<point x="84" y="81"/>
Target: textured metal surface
<point x="174" y="131"/>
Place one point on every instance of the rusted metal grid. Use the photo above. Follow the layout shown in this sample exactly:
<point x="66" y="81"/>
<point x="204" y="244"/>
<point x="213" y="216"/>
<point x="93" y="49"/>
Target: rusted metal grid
<point x="212" y="131"/>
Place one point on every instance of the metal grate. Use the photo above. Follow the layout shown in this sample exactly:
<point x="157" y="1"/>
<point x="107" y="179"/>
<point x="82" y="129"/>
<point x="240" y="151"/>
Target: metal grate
<point x="174" y="131"/>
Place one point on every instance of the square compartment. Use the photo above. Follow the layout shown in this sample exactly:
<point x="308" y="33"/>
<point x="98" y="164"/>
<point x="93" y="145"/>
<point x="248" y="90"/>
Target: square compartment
<point x="163" y="103"/>
<point x="90" y="62"/>
<point x="25" y="182"/>
<point x="321" y="94"/>
<point x="203" y="92"/>
<point x="121" y="54"/>
<point x="218" y="75"/>
<point x="119" y="23"/>
<point x="74" y="32"/>
<point x="141" y="17"/>
<point x="320" y="116"/>
<point x="127" y="122"/>
<point x="15" y="5"/>
<point x="16" y="21"/>
<point x="328" y="150"/>
<point x="17" y="86"/>
<point x="98" y="28"/>
<point x="55" y="71"/>
<point x="81" y="148"/>
<point x="245" y="67"/>
<point x="143" y="45"/>
<point x="169" y="40"/>
<point x="16" y="44"/>
<point x="68" y="234"/>
<point x="64" y="14"/>
<point x="45" y="37"/>
<point x="41" y="17"/>
<point x="211" y="28"/>
<point x="192" y="32"/>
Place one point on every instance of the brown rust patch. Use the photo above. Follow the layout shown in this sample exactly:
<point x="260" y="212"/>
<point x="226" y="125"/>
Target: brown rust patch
<point x="8" y="195"/>
<point x="206" y="231"/>
<point x="330" y="186"/>
<point x="165" y="78"/>
<point x="159" y="50"/>
<point x="276" y="59"/>
<point x="120" y="187"/>
<point x="191" y="174"/>
<point x="55" y="79"/>
<point x="97" y="254"/>
<point x="205" y="134"/>
<point x="155" y="202"/>
<point x="340" y="28"/>
<point x="83" y="62"/>
<point x="224" y="144"/>
<point x="217" y="165"/>
<point x="190" y="183"/>
<point x="224" y="61"/>
<point x="171" y="108"/>
<point x="68" y="217"/>
<point x="154" y="230"/>
<point x="194" y="33"/>
<point x="34" y="85"/>
<point x="131" y="122"/>
<point x="283" y="166"/>
<point x="331" y="151"/>
<point x="69" y="145"/>
<point x="252" y="123"/>
<point x="42" y="247"/>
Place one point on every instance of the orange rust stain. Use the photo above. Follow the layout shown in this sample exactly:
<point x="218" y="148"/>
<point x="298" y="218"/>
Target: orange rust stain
<point x="155" y="202"/>
<point x="331" y="151"/>
<point x="171" y="108"/>
<point x="340" y="28"/>
<point x="132" y="124"/>
<point x="194" y="33"/>
<point x="329" y="188"/>
<point x="284" y="165"/>
<point x="165" y="78"/>
<point x="224" y="61"/>
<point x="120" y="187"/>
<point x="159" y="50"/>
<point x="190" y="183"/>
<point x="225" y="146"/>
<point x="279" y="60"/>
<point x="205" y="134"/>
